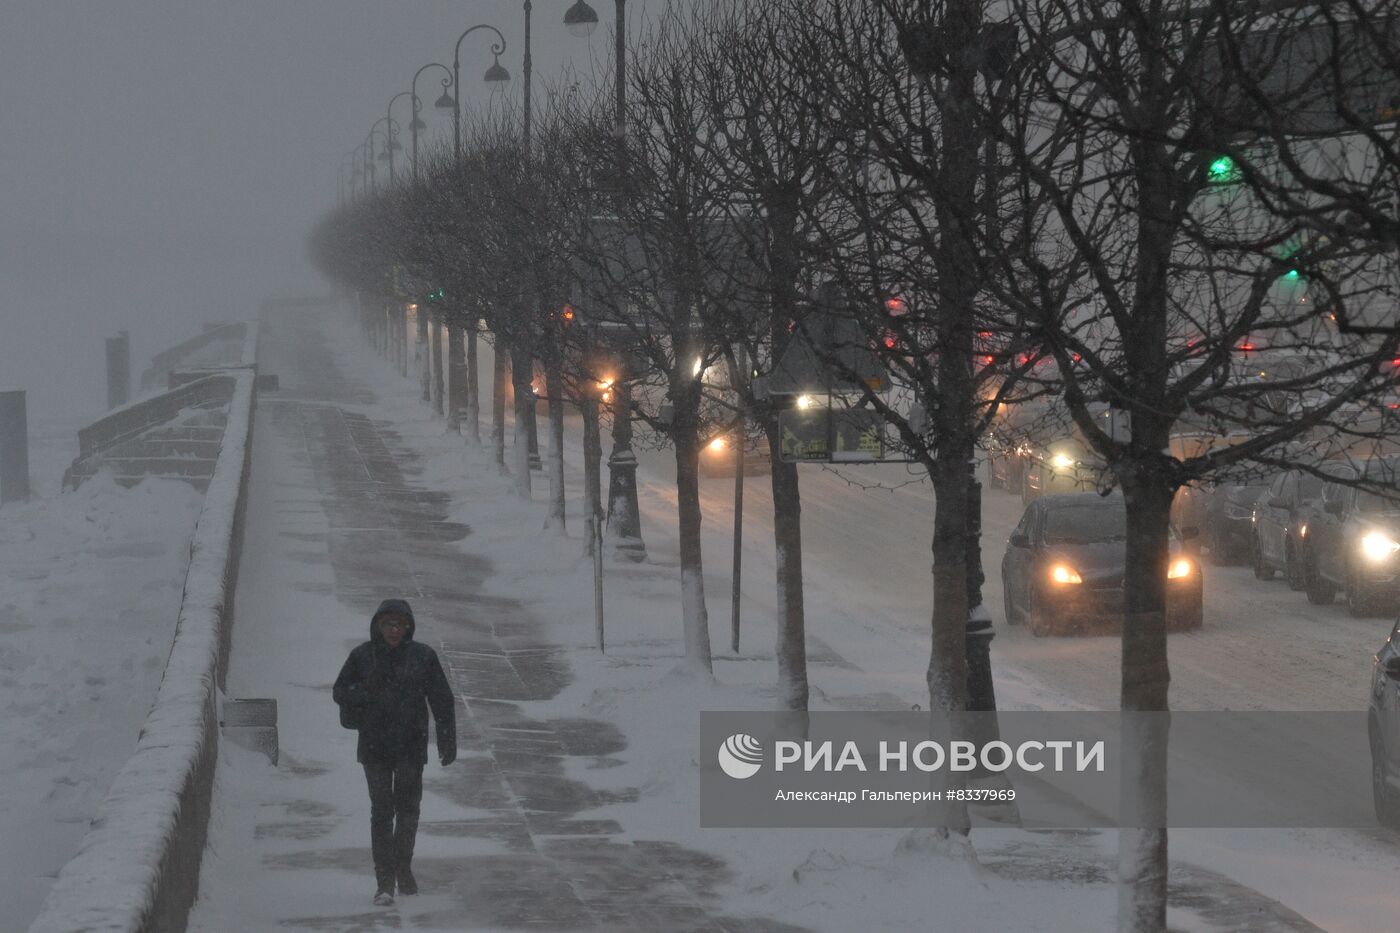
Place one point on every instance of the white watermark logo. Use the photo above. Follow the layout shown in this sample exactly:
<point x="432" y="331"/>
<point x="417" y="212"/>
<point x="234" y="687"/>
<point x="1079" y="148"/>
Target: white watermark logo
<point x="740" y="756"/>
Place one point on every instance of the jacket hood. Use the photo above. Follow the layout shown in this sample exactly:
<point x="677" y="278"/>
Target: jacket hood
<point x="392" y="607"/>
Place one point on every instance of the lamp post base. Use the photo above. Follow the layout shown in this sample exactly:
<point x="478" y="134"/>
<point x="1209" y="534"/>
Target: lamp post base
<point x="624" y="535"/>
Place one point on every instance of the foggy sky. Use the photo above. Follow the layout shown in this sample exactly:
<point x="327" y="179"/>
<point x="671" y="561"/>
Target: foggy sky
<point x="162" y="160"/>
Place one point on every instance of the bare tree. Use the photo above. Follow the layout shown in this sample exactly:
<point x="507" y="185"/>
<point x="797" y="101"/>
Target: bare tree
<point x="1157" y="239"/>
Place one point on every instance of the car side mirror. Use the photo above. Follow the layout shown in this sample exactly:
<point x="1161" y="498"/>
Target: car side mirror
<point x="1019" y="539"/>
<point x="1277" y="502"/>
<point x="1392" y="667"/>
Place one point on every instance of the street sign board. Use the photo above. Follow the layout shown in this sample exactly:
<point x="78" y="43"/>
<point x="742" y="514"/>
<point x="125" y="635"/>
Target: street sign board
<point x="831" y="435"/>
<point x="805" y="436"/>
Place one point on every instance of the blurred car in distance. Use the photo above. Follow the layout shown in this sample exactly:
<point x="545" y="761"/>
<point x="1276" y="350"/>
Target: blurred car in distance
<point x="717" y="455"/>
<point x="1229" y="520"/>
<point x="1351" y="539"/>
<point x="1275" y="543"/>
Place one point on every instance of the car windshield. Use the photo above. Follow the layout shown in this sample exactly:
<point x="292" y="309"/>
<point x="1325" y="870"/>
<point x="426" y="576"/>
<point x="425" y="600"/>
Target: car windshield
<point x="1083" y="523"/>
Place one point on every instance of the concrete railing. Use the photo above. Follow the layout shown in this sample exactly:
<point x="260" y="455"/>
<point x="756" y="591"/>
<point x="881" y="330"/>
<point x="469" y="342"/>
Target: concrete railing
<point x="138" y="867"/>
<point x="168" y="360"/>
<point x="130" y="420"/>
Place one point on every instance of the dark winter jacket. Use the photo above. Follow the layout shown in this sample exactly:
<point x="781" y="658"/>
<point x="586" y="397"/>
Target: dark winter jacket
<point x="396" y="686"/>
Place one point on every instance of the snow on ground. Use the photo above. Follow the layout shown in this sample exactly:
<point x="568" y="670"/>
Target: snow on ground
<point x="90" y="587"/>
<point x="869" y="651"/>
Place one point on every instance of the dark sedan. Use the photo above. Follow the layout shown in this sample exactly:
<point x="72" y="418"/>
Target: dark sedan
<point x="1063" y="569"/>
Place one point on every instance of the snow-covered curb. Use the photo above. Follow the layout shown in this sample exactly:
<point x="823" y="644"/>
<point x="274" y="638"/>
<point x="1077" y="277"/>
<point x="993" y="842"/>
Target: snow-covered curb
<point x="138" y="868"/>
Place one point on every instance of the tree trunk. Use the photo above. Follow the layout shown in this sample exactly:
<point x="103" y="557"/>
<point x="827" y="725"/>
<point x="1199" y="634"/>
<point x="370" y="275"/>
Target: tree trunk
<point x="554" y="386"/>
<point x="521" y="369"/>
<point x="473" y="396"/>
<point x="1148" y="489"/>
<point x="787" y="542"/>
<point x="401" y="341"/>
<point x="498" y="403"/>
<point x="1142" y="852"/>
<point x="455" y="386"/>
<point x="782" y="205"/>
<point x="420" y="354"/>
<point x="436" y="352"/>
<point x="686" y="436"/>
<point x="954" y="324"/>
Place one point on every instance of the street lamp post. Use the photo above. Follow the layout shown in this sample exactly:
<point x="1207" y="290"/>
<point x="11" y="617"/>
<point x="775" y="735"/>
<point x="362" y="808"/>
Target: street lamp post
<point x="393" y="131"/>
<point x="345" y="183"/>
<point x="624" y="513"/>
<point x="388" y="153"/>
<point x="531" y="429"/>
<point x="359" y="175"/>
<point x="494" y="75"/>
<point x="445" y="102"/>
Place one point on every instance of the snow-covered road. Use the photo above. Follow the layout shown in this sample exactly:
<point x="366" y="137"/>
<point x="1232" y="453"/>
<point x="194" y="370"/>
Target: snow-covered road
<point x="866" y="535"/>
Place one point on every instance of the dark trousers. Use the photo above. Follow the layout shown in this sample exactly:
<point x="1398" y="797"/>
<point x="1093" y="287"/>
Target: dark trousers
<point x="395" y="792"/>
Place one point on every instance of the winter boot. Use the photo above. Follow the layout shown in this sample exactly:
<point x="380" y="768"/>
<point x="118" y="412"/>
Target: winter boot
<point x="384" y="896"/>
<point x="407" y="883"/>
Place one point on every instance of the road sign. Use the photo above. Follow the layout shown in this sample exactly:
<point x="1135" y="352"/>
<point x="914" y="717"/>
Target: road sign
<point x="1319" y="79"/>
<point x="827" y="353"/>
<point x="831" y="435"/>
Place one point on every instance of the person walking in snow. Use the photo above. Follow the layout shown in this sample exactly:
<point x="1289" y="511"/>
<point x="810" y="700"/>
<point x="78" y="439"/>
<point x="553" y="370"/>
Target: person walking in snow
<point x="385" y="690"/>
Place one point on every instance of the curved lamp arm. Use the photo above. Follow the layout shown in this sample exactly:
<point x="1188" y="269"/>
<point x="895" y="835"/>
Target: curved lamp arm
<point x="495" y="73"/>
<point x="448" y="80"/>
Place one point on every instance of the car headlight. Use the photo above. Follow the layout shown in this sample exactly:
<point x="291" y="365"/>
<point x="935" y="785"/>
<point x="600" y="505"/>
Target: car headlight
<point x="1376" y="546"/>
<point x="1064" y="573"/>
<point x="1181" y="567"/>
<point x="1062" y="461"/>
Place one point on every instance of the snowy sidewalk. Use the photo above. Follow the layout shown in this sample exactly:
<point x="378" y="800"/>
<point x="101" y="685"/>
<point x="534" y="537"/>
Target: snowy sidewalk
<point x="335" y="524"/>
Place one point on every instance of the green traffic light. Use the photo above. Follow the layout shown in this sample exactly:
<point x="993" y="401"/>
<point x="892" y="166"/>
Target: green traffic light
<point x="1222" y="170"/>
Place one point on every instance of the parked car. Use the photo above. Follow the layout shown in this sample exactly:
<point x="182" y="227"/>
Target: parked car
<point x="1229" y="520"/>
<point x="1063" y="567"/>
<point x="1275" y="544"/>
<point x="1383" y="726"/>
<point x="1352" y="541"/>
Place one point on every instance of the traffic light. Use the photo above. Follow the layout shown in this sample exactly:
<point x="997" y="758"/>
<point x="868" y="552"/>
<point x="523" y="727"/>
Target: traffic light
<point x="567" y="315"/>
<point x="1223" y="170"/>
<point x="895" y="307"/>
<point x="435" y="296"/>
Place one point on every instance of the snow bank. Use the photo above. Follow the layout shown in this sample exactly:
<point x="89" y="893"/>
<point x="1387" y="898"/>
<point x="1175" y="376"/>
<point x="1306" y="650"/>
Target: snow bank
<point x="138" y="868"/>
